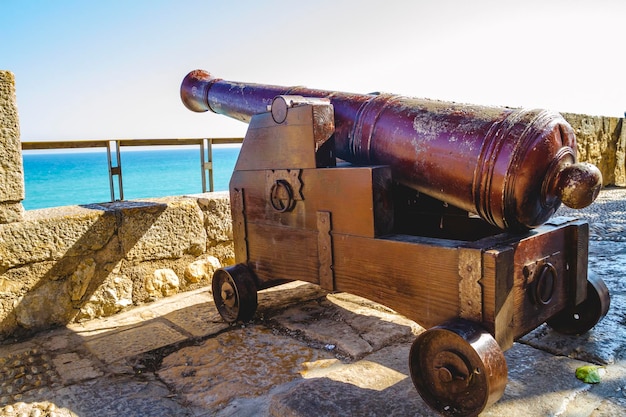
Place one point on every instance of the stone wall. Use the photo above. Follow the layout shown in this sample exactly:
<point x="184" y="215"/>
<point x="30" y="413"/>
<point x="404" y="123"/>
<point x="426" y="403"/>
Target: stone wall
<point x="602" y="141"/>
<point x="11" y="171"/>
<point x="74" y="263"/>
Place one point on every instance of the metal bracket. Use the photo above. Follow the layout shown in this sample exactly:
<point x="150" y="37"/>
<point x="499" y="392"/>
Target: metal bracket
<point x="540" y="277"/>
<point x="283" y="188"/>
<point x="470" y="290"/>
<point x="239" y="225"/>
<point x="324" y="250"/>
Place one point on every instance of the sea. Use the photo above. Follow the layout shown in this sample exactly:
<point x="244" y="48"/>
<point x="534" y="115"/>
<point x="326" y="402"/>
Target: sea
<point x="75" y="177"/>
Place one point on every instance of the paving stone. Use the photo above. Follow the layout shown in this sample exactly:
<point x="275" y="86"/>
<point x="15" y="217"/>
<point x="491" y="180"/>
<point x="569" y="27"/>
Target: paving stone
<point x="375" y="323"/>
<point x="25" y="370"/>
<point x="378" y="385"/>
<point x="610" y="408"/>
<point x="72" y="368"/>
<point x="115" y="397"/>
<point x="242" y="363"/>
<point x="199" y="320"/>
<point x="323" y="323"/>
<point x="539" y="383"/>
<point x="288" y="294"/>
<point x="142" y="313"/>
<point x="607" y="398"/>
<point x="353" y="325"/>
<point x="118" y="345"/>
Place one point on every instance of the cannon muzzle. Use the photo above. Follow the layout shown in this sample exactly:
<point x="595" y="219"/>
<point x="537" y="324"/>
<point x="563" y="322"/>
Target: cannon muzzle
<point x="512" y="167"/>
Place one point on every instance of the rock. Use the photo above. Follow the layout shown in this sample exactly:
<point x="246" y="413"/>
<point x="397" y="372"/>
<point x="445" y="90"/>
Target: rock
<point x="80" y="279"/>
<point x="163" y="282"/>
<point x="225" y="252"/>
<point x="217" y="217"/>
<point x="44" y="306"/>
<point x="114" y="295"/>
<point x="202" y="269"/>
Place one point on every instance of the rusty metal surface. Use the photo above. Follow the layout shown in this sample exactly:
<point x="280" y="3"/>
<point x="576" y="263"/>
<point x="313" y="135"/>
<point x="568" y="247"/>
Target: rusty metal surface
<point x="513" y="167"/>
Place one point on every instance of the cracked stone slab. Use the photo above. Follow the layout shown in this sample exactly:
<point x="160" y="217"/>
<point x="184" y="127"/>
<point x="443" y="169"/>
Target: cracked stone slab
<point x="378" y="385"/>
<point x="199" y="320"/>
<point x="353" y="325"/>
<point x="323" y="323"/>
<point x="242" y="363"/>
<point x="115" y="346"/>
<point x="377" y="324"/>
<point x="288" y="294"/>
<point x="72" y="368"/>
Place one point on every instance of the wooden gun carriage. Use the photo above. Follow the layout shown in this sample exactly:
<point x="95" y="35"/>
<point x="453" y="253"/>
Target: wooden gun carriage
<point x="326" y="190"/>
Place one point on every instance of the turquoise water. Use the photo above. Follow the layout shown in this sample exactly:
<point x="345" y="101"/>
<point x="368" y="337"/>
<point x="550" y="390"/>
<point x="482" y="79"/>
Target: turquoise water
<point x="70" y="177"/>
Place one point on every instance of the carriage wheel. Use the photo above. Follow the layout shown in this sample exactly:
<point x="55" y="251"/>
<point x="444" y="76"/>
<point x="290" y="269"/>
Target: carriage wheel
<point x="234" y="293"/>
<point x="458" y="368"/>
<point x="580" y="319"/>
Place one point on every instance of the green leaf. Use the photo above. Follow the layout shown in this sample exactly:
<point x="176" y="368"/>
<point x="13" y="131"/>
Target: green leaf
<point x="590" y="374"/>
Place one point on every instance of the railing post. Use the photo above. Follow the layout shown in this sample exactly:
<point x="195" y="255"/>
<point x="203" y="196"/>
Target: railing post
<point x="206" y="165"/>
<point x="115" y="170"/>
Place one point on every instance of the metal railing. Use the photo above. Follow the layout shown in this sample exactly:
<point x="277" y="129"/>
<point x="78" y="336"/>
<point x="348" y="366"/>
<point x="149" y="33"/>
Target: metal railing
<point x="114" y="158"/>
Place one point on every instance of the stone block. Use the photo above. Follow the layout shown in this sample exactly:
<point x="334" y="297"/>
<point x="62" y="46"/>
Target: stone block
<point x="112" y="296"/>
<point x="202" y="269"/>
<point x="142" y="276"/>
<point x="225" y="252"/>
<point x="11" y="212"/>
<point x="163" y="282"/>
<point x="164" y="228"/>
<point x="257" y="362"/>
<point x="199" y="320"/>
<point x="217" y="217"/>
<point x="72" y="368"/>
<point x="48" y="304"/>
<point x="11" y="169"/>
<point x="57" y="234"/>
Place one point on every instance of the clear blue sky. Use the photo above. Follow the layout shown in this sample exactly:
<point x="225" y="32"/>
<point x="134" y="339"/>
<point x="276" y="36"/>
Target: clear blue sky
<point x="112" y="69"/>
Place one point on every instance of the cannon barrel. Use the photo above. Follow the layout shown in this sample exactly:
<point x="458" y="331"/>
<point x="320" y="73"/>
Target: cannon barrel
<point x="512" y="167"/>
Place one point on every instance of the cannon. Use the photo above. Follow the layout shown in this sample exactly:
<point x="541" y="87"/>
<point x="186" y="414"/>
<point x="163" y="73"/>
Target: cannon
<point x="441" y="211"/>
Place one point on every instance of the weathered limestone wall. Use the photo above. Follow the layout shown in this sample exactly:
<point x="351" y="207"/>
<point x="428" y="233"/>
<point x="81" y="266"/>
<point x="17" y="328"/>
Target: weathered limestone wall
<point x="602" y="141"/>
<point x="11" y="171"/>
<point x="73" y="263"/>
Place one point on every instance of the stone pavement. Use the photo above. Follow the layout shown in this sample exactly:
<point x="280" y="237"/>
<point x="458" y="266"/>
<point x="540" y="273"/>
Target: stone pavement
<point x="308" y="353"/>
